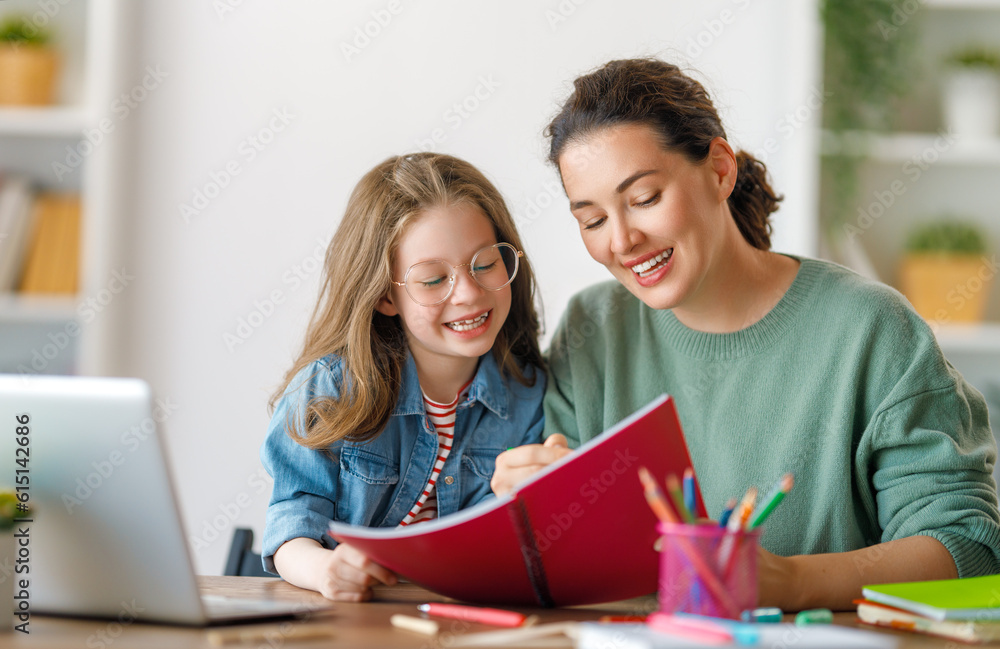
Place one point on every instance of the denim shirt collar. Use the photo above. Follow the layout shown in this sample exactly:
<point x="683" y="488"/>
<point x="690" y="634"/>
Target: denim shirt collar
<point x="487" y="387"/>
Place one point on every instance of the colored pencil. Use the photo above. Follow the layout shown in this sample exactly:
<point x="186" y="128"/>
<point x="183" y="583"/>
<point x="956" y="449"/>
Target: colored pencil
<point x="689" y="497"/>
<point x="655" y="497"/>
<point x="674" y="489"/>
<point x="772" y="500"/>
<point x="727" y="512"/>
<point x="735" y="525"/>
<point x="659" y="506"/>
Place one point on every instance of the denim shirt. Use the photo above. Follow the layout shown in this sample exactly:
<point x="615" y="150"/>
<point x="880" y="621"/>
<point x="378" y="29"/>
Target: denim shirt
<point x="375" y="484"/>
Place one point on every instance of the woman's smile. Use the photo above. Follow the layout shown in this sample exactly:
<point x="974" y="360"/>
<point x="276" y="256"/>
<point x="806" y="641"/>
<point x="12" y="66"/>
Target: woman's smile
<point x="651" y="263"/>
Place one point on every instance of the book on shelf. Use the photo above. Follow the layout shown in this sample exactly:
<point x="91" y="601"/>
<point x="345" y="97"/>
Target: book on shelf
<point x="16" y="199"/>
<point x="53" y="250"/>
<point x="891" y="617"/>
<point x="577" y="532"/>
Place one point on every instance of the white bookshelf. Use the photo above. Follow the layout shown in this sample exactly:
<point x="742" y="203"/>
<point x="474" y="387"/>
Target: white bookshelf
<point x="55" y="122"/>
<point x="971" y="338"/>
<point x="90" y="35"/>
<point x="39" y="309"/>
<point x="962" y="4"/>
<point x="928" y="171"/>
<point x="889" y="148"/>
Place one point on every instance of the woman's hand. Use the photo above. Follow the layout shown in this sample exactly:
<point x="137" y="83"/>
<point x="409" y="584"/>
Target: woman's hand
<point x="343" y="574"/>
<point x="835" y="579"/>
<point x="517" y="464"/>
<point x="777" y="583"/>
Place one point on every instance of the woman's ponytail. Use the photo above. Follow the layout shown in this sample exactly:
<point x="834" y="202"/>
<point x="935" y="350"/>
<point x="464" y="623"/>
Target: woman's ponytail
<point x="753" y="201"/>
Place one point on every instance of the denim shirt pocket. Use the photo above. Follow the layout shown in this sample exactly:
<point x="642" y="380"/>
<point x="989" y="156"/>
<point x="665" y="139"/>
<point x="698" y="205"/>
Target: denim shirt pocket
<point x="367" y="484"/>
<point x="477" y="471"/>
<point x="479" y="463"/>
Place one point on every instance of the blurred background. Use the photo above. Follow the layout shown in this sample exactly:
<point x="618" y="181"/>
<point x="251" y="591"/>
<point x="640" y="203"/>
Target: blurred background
<point x="170" y="173"/>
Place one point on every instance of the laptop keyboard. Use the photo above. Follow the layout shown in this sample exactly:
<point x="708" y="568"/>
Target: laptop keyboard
<point x="221" y="606"/>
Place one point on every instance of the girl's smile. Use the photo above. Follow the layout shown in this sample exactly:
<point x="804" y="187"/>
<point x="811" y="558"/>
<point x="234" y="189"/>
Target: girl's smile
<point x="464" y="326"/>
<point x="470" y="326"/>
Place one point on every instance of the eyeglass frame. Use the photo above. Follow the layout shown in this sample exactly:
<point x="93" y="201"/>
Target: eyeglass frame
<point x="472" y="274"/>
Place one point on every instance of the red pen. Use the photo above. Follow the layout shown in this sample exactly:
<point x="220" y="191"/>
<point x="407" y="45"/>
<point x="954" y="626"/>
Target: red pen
<point x="493" y="616"/>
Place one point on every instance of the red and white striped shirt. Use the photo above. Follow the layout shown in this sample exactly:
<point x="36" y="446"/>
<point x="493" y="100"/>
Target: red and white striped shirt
<point x="442" y="416"/>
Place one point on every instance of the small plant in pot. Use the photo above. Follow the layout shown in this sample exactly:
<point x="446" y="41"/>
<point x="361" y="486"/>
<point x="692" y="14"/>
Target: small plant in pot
<point x="971" y="93"/>
<point x="29" y="65"/>
<point x="944" y="272"/>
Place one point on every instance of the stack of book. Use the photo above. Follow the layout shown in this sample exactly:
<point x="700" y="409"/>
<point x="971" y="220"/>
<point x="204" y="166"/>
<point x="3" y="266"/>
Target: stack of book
<point x="960" y="609"/>
<point x="39" y="239"/>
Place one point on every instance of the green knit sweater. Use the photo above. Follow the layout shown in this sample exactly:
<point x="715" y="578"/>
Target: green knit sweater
<point x="841" y="384"/>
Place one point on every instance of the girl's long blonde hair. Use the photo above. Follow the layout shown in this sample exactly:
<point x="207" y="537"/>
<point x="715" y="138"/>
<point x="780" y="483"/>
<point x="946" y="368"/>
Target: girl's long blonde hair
<point x="357" y="273"/>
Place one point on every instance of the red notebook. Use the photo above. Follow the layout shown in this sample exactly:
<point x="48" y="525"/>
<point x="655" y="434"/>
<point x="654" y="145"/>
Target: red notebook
<point x="577" y="532"/>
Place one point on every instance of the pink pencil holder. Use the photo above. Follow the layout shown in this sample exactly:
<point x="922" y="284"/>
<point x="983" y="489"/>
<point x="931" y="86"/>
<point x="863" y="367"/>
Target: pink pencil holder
<point x="704" y="572"/>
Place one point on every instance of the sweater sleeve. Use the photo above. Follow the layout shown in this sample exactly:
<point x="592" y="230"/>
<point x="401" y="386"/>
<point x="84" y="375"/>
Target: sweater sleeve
<point x="559" y="406"/>
<point x="930" y="461"/>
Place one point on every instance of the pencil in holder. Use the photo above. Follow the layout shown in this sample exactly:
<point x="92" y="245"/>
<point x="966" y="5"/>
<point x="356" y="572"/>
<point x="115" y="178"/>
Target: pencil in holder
<point x="706" y="570"/>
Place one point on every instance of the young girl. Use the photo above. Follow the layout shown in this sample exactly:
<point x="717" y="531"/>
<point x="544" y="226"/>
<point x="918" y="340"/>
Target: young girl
<point x="420" y="366"/>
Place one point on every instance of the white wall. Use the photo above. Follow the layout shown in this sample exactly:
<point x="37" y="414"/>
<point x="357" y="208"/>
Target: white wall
<point x="226" y="76"/>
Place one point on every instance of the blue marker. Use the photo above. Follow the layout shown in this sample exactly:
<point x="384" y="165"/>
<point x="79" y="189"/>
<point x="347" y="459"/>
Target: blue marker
<point x="689" y="491"/>
<point x="727" y="512"/>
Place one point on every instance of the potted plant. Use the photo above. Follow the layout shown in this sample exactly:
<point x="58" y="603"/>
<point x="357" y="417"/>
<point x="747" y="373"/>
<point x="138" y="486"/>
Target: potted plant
<point x="944" y="273"/>
<point x="28" y="65"/>
<point x="8" y="549"/>
<point x="869" y="66"/>
<point x="971" y="93"/>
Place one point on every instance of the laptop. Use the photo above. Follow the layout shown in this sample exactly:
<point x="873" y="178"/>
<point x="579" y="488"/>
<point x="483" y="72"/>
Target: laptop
<point x="105" y="538"/>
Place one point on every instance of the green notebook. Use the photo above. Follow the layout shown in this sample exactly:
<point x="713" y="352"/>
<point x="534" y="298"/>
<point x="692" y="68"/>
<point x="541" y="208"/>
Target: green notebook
<point x="975" y="598"/>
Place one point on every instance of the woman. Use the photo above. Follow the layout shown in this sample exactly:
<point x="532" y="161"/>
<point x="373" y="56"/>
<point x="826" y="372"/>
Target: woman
<point x="777" y="363"/>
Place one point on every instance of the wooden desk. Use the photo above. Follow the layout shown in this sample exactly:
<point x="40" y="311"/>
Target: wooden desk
<point x="351" y="625"/>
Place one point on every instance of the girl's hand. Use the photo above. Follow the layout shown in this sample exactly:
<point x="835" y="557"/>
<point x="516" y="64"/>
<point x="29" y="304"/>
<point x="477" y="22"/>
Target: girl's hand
<point x="519" y="463"/>
<point x="343" y="573"/>
<point x="347" y="575"/>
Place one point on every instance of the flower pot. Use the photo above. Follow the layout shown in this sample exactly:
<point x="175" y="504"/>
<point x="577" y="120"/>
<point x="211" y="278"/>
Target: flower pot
<point x="972" y="103"/>
<point x="8" y="552"/>
<point x="27" y="75"/>
<point x="946" y="287"/>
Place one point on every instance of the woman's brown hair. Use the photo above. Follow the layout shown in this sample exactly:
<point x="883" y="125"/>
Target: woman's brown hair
<point x="658" y="94"/>
<point x="357" y="273"/>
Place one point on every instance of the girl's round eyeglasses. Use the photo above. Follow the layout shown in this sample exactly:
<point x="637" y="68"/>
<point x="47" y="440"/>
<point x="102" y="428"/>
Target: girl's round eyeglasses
<point x="431" y="282"/>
